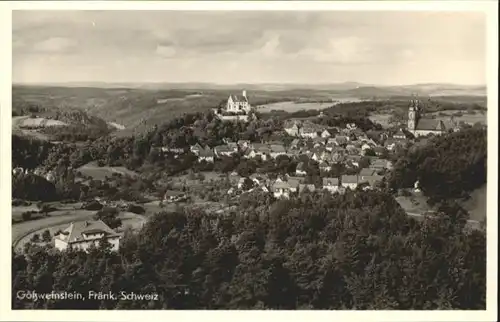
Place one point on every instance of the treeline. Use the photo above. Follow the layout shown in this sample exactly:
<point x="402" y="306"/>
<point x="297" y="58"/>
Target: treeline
<point x="327" y="252"/>
<point x="29" y="153"/>
<point x="76" y="132"/>
<point x="448" y="166"/>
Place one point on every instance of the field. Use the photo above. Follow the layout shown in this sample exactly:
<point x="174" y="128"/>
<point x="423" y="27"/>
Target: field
<point x="294" y="106"/>
<point x="415" y="204"/>
<point x="100" y="173"/>
<point x="382" y="119"/>
<point x="465" y="117"/>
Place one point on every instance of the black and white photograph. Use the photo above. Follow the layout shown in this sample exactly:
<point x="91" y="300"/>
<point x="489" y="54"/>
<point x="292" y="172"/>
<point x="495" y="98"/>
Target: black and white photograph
<point x="250" y="159"/>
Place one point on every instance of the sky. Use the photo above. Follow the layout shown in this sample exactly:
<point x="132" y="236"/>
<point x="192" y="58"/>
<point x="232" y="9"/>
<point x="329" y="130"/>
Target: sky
<point x="380" y="48"/>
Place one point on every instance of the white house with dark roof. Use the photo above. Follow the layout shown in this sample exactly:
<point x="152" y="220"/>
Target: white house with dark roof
<point x="195" y="149"/>
<point x="277" y="150"/>
<point x="283" y="189"/>
<point x="331" y="184"/>
<point x="349" y="181"/>
<point x="206" y="154"/>
<point x="83" y="234"/>
<point x="292" y="129"/>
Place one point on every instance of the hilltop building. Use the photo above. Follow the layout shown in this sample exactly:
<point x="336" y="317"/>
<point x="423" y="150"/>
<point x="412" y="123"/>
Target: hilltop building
<point x="238" y="103"/>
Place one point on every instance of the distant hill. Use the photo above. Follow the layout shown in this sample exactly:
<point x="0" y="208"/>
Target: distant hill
<point x="136" y="106"/>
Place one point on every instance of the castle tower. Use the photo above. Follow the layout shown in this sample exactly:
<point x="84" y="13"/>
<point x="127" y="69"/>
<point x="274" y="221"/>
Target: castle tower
<point x="244" y="93"/>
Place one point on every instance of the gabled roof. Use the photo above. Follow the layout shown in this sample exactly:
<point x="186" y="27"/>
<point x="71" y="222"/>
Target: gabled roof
<point x="223" y="148"/>
<point x="330" y="182"/>
<point x="371" y="180"/>
<point x="239" y="98"/>
<point x="349" y="179"/>
<point x="277" y="148"/>
<point x="430" y="125"/>
<point x="300" y="166"/>
<point x="206" y="153"/>
<point x="366" y="172"/>
<point x="77" y="230"/>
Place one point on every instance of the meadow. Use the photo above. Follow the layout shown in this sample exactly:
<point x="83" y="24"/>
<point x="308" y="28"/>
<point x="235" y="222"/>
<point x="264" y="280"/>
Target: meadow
<point x="100" y="173"/>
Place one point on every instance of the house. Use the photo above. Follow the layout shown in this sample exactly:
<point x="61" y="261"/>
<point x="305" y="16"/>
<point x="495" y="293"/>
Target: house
<point x="400" y="135"/>
<point x="292" y="129"/>
<point x="349" y="181"/>
<point x="238" y="103"/>
<point x="300" y="170"/>
<point x="172" y="150"/>
<point x="366" y="172"/>
<point x="341" y="139"/>
<point x="195" y="149"/>
<point x="324" y="166"/>
<point x="277" y="150"/>
<point x="174" y="196"/>
<point x="331" y="184"/>
<point x="206" y="154"/>
<point x="83" y="234"/>
<point x="283" y="189"/>
<point x="370" y="181"/>
<point x="318" y="141"/>
<point x="326" y="134"/>
<point x="419" y="126"/>
<point x="306" y="188"/>
<point x="224" y="150"/>
<point x="309" y="130"/>
<point x="381" y="164"/>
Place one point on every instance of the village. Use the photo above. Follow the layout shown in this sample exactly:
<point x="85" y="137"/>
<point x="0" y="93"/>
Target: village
<point x="314" y="147"/>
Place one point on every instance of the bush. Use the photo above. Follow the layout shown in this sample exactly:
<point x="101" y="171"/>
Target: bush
<point x="136" y="209"/>
<point x="35" y="238"/>
<point x="92" y="205"/>
<point x="27" y="215"/>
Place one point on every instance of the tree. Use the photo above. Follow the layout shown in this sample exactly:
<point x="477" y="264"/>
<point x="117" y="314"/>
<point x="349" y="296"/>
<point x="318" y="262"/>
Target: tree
<point x="35" y="238"/>
<point x="109" y="216"/>
<point x="46" y="237"/>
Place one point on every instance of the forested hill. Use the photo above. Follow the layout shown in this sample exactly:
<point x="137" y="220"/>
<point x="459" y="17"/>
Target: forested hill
<point x="449" y="166"/>
<point x="353" y="251"/>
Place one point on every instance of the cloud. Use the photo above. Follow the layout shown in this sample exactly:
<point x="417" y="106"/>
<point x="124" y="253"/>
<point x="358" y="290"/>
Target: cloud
<point x="55" y="45"/>
<point x="346" y="50"/>
<point x="165" y="51"/>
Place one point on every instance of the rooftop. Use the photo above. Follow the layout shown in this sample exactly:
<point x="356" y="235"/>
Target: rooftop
<point x="77" y="230"/>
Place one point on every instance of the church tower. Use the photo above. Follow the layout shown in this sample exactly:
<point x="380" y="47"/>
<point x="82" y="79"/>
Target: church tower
<point x="413" y="114"/>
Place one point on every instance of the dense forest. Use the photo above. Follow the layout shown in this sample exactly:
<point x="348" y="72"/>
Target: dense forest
<point x="353" y="251"/>
<point x="446" y="167"/>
